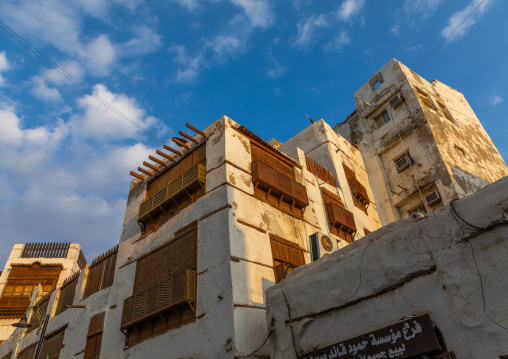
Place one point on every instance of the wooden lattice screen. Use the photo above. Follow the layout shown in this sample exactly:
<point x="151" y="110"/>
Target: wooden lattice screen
<point x="101" y="273"/>
<point x="94" y="336"/>
<point x="20" y="285"/>
<point x="67" y="292"/>
<point x="45" y="250"/>
<point x="319" y="171"/>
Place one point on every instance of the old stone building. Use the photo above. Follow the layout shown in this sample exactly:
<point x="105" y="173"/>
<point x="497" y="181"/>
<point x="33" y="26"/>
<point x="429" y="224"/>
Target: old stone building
<point x="421" y="142"/>
<point x="208" y="227"/>
<point x="422" y="287"/>
<point x="29" y="266"/>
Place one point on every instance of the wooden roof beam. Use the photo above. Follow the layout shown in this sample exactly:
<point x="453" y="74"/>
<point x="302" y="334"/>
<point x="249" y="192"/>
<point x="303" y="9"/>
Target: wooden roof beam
<point x="181" y="143"/>
<point x="172" y="150"/>
<point x="141" y="169"/>
<point x="156" y="160"/>
<point x="196" y="130"/>
<point x="165" y="155"/>
<point x="149" y="165"/>
<point x="189" y="137"/>
<point x="137" y="175"/>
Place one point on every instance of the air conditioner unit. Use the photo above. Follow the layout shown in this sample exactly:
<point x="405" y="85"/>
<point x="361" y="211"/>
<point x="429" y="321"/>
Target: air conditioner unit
<point x="321" y="245"/>
<point x="403" y="162"/>
<point x="396" y="101"/>
<point x="433" y="198"/>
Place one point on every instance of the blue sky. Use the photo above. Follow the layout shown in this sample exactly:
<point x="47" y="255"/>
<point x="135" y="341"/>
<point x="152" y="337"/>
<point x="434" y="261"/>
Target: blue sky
<point x="269" y="65"/>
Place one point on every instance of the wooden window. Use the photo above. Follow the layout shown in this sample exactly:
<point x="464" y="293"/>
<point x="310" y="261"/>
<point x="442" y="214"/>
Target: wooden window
<point x="28" y="352"/>
<point x="358" y="191"/>
<point x="101" y="272"/>
<point x="94" y="336"/>
<point x="286" y="255"/>
<point x="20" y="285"/>
<point x="341" y="221"/>
<point x="67" y="292"/>
<point x="164" y="293"/>
<point x="383" y="118"/>
<point x="274" y="182"/>
<point x="169" y="192"/>
<point x="319" y="171"/>
<point x="52" y="345"/>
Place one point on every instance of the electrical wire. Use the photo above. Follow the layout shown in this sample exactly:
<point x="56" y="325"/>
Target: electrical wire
<point x="447" y="36"/>
<point x="72" y="79"/>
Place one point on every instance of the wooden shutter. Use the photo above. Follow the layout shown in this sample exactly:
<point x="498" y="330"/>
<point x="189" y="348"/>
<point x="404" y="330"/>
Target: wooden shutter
<point x="285" y="255"/>
<point x="94" y="336"/>
<point x="27" y="353"/>
<point x="52" y="346"/>
<point x="67" y="292"/>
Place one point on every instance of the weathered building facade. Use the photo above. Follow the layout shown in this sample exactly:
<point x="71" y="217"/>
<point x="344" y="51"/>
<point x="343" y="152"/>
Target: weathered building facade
<point x="29" y="266"/>
<point x="421" y="142"/>
<point x="207" y="229"/>
<point x="422" y="287"/>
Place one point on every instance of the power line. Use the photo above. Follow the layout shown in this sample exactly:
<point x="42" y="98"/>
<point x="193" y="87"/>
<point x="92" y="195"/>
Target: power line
<point x="447" y="36"/>
<point x="62" y="214"/>
<point x="72" y="79"/>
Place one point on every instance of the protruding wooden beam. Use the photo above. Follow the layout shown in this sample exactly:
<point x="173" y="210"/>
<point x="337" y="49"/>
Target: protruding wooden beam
<point x="149" y="165"/>
<point x="137" y="175"/>
<point x="196" y="130"/>
<point x="165" y="155"/>
<point x="141" y="169"/>
<point x="156" y="160"/>
<point x="181" y="143"/>
<point x="189" y="137"/>
<point x="172" y="150"/>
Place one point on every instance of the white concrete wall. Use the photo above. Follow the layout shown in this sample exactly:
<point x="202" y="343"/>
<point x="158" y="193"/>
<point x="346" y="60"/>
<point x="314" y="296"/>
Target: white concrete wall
<point x="414" y="266"/>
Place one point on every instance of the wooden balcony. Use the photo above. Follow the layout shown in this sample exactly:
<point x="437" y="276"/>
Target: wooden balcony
<point x="340" y="218"/>
<point x="278" y="184"/>
<point x="169" y="294"/>
<point x="358" y="190"/>
<point x="194" y="177"/>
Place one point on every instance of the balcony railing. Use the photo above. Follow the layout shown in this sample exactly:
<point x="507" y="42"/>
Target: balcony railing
<point x="340" y="218"/>
<point x="194" y="177"/>
<point x="178" y="289"/>
<point x="358" y="190"/>
<point x="279" y="184"/>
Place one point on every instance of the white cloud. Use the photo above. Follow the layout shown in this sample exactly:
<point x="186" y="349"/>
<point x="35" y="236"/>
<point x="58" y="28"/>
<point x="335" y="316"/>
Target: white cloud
<point x="421" y="7"/>
<point x="307" y="28"/>
<point x="4" y="65"/>
<point x="190" y="5"/>
<point x="99" y="55"/>
<point x="349" y="8"/>
<point x="338" y="42"/>
<point x="100" y="122"/>
<point x="277" y="71"/>
<point x="145" y="41"/>
<point x="41" y="83"/>
<point x="459" y="16"/>
<point x="496" y="100"/>
<point x="258" y="12"/>
<point x="224" y="46"/>
<point x="190" y="66"/>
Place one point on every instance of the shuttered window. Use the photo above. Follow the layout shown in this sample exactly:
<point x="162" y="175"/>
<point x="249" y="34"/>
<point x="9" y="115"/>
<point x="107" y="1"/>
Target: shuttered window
<point x="101" y="272"/>
<point x="67" y="292"/>
<point x="20" y="285"/>
<point x="164" y="293"/>
<point x="285" y="255"/>
<point x="52" y="345"/>
<point x="259" y="154"/>
<point x="341" y="221"/>
<point x="28" y="352"/>
<point x="94" y="336"/>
